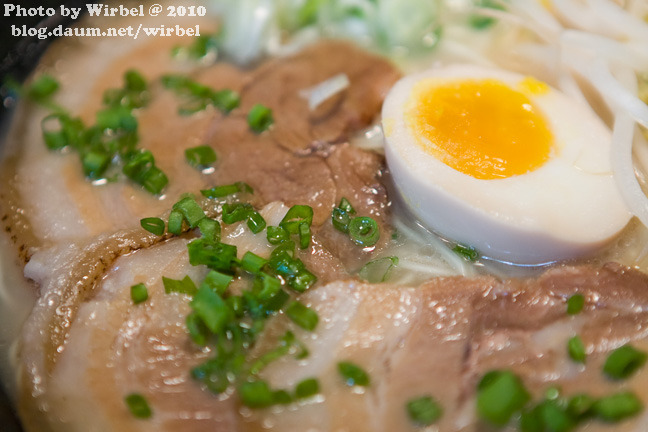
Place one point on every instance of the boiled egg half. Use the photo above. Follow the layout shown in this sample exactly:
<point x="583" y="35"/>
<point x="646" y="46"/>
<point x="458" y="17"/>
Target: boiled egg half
<point x="502" y="162"/>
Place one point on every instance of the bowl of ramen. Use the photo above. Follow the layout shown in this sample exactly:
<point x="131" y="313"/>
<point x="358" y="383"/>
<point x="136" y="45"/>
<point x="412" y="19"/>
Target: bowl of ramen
<point x="297" y="215"/>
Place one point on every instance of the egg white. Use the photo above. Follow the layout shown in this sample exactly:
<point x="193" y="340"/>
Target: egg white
<point x="568" y="207"/>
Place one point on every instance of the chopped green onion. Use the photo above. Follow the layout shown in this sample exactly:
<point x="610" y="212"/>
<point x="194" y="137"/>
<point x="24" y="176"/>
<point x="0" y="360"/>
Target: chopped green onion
<point x="153" y="225"/>
<point x="575" y="304"/>
<point x="191" y="211"/>
<point x="94" y="163"/>
<point x="256" y="394"/>
<point x="154" y="180"/>
<point x="555" y="417"/>
<point x="307" y="388"/>
<point x="353" y="374"/>
<point x="225" y="190"/>
<point x="42" y="88"/>
<point x="346" y="206"/>
<point x="276" y="235"/>
<point x="623" y="362"/>
<point x="500" y="397"/>
<point x="580" y="406"/>
<point x="200" y="156"/>
<point x="364" y="231"/>
<point x="340" y="220"/>
<point x="217" y="282"/>
<point x="175" y="222"/>
<point x="225" y="100"/>
<point x="236" y="212"/>
<point x="618" y="406"/>
<point x="184" y="286"/>
<point x="197" y="330"/>
<point x="295" y="216"/>
<point x="304" y="235"/>
<point x="252" y="262"/>
<point x="576" y="349"/>
<point x="210" y="229"/>
<point x="424" y="410"/>
<point x="260" y="118"/>
<point x="138" y="406"/>
<point x="281" y="397"/>
<point x="255" y="222"/>
<point x="468" y="253"/>
<point x="215" y="255"/>
<point x="302" y="315"/>
<point x="212" y="309"/>
<point x="378" y="270"/>
<point x="139" y="293"/>
<point x="116" y="118"/>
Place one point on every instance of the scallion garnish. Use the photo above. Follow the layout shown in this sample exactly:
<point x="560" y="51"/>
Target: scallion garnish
<point x="260" y="118"/>
<point x="617" y="407"/>
<point x="500" y="395"/>
<point x="364" y="231"/>
<point x="138" y="406"/>
<point x="424" y="410"/>
<point x="138" y="293"/>
<point x="276" y="235"/>
<point x="307" y="388"/>
<point x="200" y="156"/>
<point x="210" y="229"/>
<point x="197" y="329"/>
<point x="252" y="262"/>
<point x="353" y="374"/>
<point x="256" y="394"/>
<point x="576" y="349"/>
<point x="255" y="222"/>
<point x="236" y="212"/>
<point x="42" y="88"/>
<point x="575" y="304"/>
<point x="212" y="309"/>
<point x="184" y="286"/>
<point x="468" y="253"/>
<point x="215" y="255"/>
<point x="623" y="362"/>
<point x="191" y="211"/>
<point x="225" y="190"/>
<point x="295" y="216"/>
<point x="217" y="282"/>
<point x="302" y="315"/>
<point x="153" y="225"/>
<point x="199" y="95"/>
<point x="341" y="215"/>
<point x="175" y="222"/>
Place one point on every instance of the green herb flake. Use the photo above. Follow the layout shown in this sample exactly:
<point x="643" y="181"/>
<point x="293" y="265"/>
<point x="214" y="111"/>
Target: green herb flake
<point x="468" y="253"/>
<point x="153" y="225"/>
<point x="184" y="286"/>
<point x="138" y="406"/>
<point x="353" y="374"/>
<point x="500" y="397"/>
<point x="617" y="407"/>
<point x="575" y="304"/>
<point x="624" y="362"/>
<point x="307" y="388"/>
<point x="260" y="118"/>
<point x="200" y="156"/>
<point x="576" y="349"/>
<point x="139" y="293"/>
<point x="424" y="410"/>
<point x="302" y="315"/>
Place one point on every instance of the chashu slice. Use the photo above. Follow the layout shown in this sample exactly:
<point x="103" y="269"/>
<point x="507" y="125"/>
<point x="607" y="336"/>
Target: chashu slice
<point x="59" y="205"/>
<point x="437" y="339"/>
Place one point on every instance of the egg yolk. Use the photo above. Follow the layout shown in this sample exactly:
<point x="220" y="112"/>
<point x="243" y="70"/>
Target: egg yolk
<point x="482" y="128"/>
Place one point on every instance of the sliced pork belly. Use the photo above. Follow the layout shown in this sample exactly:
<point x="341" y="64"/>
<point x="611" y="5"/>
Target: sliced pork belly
<point x="436" y="339"/>
<point x="59" y="205"/>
